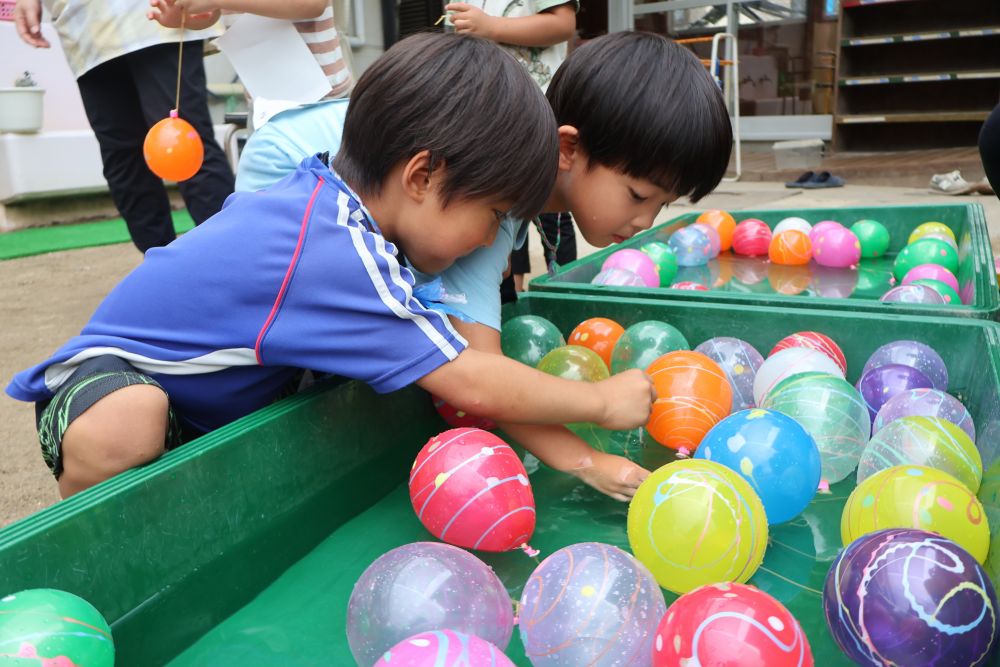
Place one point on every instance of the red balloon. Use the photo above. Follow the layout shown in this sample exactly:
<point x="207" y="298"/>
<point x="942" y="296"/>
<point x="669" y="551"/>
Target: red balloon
<point x="470" y="489"/>
<point x="456" y="418"/>
<point x="752" y="238"/>
<point x="173" y="149"/>
<point x="730" y="625"/>
<point x="688" y="285"/>
<point x="814" y="341"/>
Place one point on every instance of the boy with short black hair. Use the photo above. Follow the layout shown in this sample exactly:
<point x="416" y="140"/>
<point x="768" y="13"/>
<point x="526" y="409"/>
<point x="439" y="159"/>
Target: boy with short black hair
<point x="312" y="275"/>
<point x="641" y="123"/>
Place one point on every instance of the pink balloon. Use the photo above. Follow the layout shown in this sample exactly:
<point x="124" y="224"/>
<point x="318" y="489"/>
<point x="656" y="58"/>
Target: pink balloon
<point x="820" y="226"/>
<point x="444" y="647"/>
<point x="932" y="272"/>
<point x="835" y="246"/>
<point x="635" y="261"/>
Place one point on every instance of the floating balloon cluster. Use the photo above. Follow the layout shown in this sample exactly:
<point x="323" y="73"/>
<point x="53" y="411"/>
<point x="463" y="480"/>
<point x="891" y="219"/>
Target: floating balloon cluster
<point x="827" y="259"/>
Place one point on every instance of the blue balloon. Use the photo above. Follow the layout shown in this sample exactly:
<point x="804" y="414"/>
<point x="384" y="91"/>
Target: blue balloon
<point x="773" y="453"/>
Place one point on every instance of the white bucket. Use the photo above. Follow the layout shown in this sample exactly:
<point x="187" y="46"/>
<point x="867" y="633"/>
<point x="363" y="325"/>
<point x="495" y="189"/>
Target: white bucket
<point x="21" y="109"/>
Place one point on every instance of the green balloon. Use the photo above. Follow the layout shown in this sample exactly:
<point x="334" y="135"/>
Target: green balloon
<point x="574" y="362"/>
<point x="944" y="289"/>
<point x="643" y="343"/>
<point x="925" y="251"/>
<point x="528" y="338"/>
<point x="665" y="260"/>
<point x="832" y="412"/>
<point x="872" y="282"/>
<point x="874" y="237"/>
<point x="55" y="624"/>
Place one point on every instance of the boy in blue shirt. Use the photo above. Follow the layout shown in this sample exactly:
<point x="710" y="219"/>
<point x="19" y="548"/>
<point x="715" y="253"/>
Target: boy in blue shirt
<point x="312" y="274"/>
<point x="640" y="123"/>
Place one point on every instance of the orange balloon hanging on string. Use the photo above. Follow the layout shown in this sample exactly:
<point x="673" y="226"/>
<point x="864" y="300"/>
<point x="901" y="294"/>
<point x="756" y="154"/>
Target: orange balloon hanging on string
<point x="173" y="149"/>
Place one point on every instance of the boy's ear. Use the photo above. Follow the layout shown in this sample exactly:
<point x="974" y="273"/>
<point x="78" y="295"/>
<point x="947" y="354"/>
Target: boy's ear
<point x="416" y="176"/>
<point x="569" y="146"/>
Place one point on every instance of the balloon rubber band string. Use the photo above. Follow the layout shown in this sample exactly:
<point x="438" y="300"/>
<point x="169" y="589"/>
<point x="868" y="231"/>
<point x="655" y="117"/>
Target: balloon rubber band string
<point x="180" y="61"/>
<point x="532" y="553"/>
<point x="824" y="486"/>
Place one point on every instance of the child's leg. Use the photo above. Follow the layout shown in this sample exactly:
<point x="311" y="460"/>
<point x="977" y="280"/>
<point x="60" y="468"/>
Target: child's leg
<point x="107" y="418"/>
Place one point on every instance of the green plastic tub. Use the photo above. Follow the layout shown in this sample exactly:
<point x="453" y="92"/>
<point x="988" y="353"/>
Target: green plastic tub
<point x="242" y="548"/>
<point x="749" y="281"/>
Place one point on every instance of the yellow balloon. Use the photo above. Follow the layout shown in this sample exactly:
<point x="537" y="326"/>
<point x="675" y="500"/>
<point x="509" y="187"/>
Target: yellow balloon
<point x="696" y="522"/>
<point x="911" y="496"/>
<point x="930" y="228"/>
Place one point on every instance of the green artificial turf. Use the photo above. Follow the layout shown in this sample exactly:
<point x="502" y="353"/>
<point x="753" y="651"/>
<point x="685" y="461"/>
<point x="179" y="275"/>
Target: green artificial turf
<point x="40" y="240"/>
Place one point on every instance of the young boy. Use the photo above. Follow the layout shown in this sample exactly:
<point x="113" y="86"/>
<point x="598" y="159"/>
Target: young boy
<point x="641" y="123"/>
<point x="311" y="275"/>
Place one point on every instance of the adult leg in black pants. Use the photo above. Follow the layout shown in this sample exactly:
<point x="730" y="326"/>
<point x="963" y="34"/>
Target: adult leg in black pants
<point x="123" y="98"/>
<point x="989" y="148"/>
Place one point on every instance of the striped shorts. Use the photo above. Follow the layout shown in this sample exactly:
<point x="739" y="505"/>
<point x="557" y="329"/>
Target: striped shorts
<point x="93" y="380"/>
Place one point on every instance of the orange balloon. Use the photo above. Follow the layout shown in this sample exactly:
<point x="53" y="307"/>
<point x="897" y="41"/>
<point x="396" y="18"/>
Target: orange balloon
<point x="790" y="247"/>
<point x="693" y="395"/>
<point x="599" y="334"/>
<point x="789" y="279"/>
<point x="721" y="222"/>
<point x="173" y="149"/>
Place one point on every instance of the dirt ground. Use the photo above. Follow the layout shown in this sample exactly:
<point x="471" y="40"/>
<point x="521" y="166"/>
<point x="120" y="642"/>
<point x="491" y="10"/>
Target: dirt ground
<point x="46" y="299"/>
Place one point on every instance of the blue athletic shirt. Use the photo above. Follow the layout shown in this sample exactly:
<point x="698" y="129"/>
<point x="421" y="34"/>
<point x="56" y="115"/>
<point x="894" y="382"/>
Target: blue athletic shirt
<point x="297" y="277"/>
<point x="469" y="288"/>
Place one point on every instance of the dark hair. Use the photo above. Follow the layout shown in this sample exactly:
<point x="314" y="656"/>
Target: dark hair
<point x="647" y="107"/>
<point x="466" y="101"/>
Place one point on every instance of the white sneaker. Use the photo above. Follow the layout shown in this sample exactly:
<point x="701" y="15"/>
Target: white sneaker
<point x="951" y="183"/>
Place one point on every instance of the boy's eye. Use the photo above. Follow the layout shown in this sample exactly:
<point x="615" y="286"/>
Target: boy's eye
<point x="636" y="196"/>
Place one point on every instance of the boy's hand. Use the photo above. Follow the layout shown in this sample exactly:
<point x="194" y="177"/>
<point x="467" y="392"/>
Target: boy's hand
<point x="612" y="475"/>
<point x="628" y="399"/>
<point x="200" y="13"/>
<point x="471" y="20"/>
<point x="28" y="19"/>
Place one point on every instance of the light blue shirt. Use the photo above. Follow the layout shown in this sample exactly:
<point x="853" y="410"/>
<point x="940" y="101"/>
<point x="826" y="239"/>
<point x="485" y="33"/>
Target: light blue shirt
<point x="469" y="288"/>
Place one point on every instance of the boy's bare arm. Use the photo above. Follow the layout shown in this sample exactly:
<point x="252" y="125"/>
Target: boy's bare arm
<point x="554" y="444"/>
<point x="552" y="26"/>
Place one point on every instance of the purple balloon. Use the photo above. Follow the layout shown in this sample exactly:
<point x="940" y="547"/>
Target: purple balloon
<point x="908" y="597"/>
<point x="913" y="294"/>
<point x="915" y="354"/>
<point x="878" y="385"/>
<point x="925" y="403"/>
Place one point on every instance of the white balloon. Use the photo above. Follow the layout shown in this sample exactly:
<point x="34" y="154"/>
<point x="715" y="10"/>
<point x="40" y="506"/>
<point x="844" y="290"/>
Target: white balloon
<point x="788" y="362"/>
<point x="799" y="224"/>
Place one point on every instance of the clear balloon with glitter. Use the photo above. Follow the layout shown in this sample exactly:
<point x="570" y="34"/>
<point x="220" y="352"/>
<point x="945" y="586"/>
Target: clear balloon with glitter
<point x="914" y="354"/>
<point x="925" y="403"/>
<point x="590" y="604"/>
<point x="740" y="361"/>
<point x="425" y="586"/>
<point x="926" y="441"/>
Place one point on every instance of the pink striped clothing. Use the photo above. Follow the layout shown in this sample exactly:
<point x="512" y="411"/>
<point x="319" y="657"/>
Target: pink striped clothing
<point x="321" y="36"/>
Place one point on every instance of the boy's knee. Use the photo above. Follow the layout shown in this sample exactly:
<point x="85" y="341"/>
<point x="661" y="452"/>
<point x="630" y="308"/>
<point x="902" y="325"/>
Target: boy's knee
<point x="125" y="429"/>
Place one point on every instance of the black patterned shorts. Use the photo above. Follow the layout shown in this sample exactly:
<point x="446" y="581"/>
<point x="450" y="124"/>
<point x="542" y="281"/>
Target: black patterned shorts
<point x="93" y="380"/>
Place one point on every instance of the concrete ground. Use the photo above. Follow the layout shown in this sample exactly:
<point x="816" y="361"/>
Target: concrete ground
<point x="48" y="298"/>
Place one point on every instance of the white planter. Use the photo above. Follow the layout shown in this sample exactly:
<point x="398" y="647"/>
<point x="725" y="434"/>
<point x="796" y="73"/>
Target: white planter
<point x="21" y="109"/>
